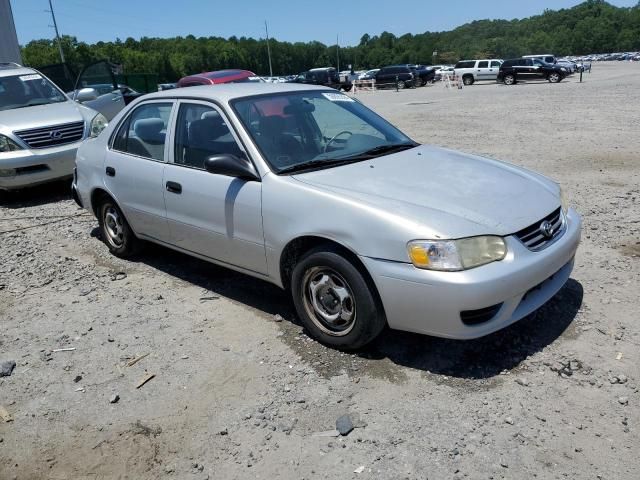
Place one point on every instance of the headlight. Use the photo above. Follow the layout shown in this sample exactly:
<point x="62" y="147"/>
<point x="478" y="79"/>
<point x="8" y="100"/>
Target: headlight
<point x="454" y="255"/>
<point x="98" y="124"/>
<point x="8" y="145"/>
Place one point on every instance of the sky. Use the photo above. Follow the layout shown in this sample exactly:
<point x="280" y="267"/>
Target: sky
<point x="288" y="20"/>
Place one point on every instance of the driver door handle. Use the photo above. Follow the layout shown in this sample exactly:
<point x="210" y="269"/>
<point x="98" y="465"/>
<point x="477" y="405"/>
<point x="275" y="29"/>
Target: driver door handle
<point x="174" y="187"/>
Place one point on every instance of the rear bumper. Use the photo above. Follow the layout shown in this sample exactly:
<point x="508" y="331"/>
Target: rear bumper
<point x="431" y="302"/>
<point x="26" y="168"/>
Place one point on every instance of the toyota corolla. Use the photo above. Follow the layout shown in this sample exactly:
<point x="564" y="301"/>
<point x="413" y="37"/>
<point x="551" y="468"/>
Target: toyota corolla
<point x="308" y="189"/>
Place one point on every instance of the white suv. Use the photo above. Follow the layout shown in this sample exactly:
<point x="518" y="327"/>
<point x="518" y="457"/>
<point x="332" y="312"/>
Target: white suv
<point x="472" y="71"/>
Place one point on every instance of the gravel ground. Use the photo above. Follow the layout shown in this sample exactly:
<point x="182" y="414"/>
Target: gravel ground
<point x="239" y="391"/>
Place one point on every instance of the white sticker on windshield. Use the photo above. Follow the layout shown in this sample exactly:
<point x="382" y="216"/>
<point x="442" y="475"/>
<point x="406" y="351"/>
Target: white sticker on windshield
<point x="26" y="78"/>
<point x="337" y="97"/>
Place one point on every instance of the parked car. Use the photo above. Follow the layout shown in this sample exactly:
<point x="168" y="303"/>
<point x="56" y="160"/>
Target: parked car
<point x="400" y="76"/>
<point x="306" y="188"/>
<point x="571" y="67"/>
<point x="443" y="70"/>
<point x="518" y="69"/>
<point x="128" y="93"/>
<point x="545" y="57"/>
<point x="328" y="77"/>
<point x="40" y="128"/>
<point x="424" y="74"/>
<point x="369" y="75"/>
<point x="218" y="77"/>
<point x="95" y="86"/>
<point x="471" y="71"/>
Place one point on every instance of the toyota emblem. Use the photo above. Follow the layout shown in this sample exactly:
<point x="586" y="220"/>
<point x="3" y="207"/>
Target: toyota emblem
<point x="55" y="135"/>
<point x="546" y="229"/>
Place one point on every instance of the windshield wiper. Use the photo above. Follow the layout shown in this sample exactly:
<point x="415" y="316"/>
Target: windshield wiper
<point x="315" y="163"/>
<point x="332" y="162"/>
<point x="381" y="150"/>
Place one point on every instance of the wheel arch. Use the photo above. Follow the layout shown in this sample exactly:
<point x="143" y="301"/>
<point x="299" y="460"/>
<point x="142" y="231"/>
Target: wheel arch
<point x="97" y="195"/>
<point x="296" y="248"/>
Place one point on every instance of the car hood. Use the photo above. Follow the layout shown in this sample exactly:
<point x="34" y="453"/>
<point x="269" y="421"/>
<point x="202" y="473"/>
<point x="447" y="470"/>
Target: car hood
<point x="449" y="194"/>
<point x="40" y="116"/>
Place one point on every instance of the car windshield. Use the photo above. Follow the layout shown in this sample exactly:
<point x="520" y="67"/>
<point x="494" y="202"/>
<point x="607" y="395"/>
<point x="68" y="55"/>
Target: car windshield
<point x="19" y="91"/>
<point x="316" y="129"/>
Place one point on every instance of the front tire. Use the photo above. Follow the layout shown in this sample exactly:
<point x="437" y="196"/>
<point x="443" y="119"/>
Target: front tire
<point x="116" y="232"/>
<point x="509" y="79"/>
<point x="336" y="303"/>
<point x="554" y="77"/>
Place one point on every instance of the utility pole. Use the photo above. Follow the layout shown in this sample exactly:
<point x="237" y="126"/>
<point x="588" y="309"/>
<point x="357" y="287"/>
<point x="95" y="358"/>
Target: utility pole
<point x="55" y="26"/>
<point x="266" y="29"/>
<point x="338" y="52"/>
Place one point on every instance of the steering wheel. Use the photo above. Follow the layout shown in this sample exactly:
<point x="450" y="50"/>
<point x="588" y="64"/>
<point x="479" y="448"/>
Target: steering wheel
<point x="333" y="139"/>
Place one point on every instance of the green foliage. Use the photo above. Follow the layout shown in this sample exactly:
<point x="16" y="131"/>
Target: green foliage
<point x="594" y="26"/>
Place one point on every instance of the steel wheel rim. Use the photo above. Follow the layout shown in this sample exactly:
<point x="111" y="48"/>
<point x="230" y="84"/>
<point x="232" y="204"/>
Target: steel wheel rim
<point x="113" y="226"/>
<point x="329" y="301"/>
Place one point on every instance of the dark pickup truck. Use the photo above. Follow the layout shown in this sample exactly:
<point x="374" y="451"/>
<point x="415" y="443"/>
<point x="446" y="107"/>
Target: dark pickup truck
<point x="328" y="77"/>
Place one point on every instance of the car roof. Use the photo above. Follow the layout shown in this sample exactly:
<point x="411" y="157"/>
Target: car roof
<point x="224" y="92"/>
<point x="8" y="70"/>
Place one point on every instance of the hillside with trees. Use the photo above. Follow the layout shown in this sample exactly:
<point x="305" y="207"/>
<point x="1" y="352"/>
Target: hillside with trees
<point x="594" y="26"/>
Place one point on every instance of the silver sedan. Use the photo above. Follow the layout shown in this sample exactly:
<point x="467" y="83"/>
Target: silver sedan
<point x="308" y="189"/>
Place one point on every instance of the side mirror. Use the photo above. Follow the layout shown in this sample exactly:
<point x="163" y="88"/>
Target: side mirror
<point x="86" y="95"/>
<point x="231" y="166"/>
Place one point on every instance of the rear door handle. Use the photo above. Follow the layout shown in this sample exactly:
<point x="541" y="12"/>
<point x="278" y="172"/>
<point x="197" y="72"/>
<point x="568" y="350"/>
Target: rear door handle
<point x="174" y="187"/>
<point x="110" y="171"/>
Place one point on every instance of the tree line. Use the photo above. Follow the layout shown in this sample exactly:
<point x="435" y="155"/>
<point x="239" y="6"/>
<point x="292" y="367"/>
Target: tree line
<point x="594" y="26"/>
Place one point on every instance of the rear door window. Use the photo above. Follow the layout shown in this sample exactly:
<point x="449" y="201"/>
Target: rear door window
<point x="483" y="64"/>
<point x="144" y="132"/>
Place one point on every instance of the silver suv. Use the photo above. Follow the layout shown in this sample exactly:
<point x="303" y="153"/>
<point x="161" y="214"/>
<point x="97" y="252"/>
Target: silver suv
<point x="472" y="71"/>
<point x="40" y="128"/>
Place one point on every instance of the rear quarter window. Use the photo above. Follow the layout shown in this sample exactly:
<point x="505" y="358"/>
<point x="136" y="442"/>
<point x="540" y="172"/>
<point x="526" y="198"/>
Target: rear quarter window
<point x="466" y="64"/>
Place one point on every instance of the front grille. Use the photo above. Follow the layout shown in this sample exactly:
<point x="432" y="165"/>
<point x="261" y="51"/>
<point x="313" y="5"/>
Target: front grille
<point x="533" y="237"/>
<point x="52" y="136"/>
<point x="475" y="317"/>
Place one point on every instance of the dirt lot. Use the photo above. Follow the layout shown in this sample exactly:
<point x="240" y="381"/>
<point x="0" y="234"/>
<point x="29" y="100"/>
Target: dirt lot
<point x="240" y="393"/>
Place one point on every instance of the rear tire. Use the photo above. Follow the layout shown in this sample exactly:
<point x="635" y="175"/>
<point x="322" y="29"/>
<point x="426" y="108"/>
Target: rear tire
<point x="468" y="80"/>
<point x="116" y="232"/>
<point x="401" y="85"/>
<point x="509" y="79"/>
<point x="336" y="303"/>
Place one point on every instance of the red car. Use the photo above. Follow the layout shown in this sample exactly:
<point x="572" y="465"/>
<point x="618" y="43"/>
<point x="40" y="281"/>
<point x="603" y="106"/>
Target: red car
<point x="219" y="76"/>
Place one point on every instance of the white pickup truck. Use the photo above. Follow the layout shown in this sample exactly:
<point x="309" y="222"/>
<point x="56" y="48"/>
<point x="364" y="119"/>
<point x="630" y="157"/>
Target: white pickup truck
<point x="472" y="71"/>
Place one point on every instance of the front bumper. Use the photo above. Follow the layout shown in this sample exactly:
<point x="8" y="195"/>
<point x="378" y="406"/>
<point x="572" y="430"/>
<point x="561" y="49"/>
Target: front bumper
<point x="430" y="302"/>
<point x="26" y="168"/>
